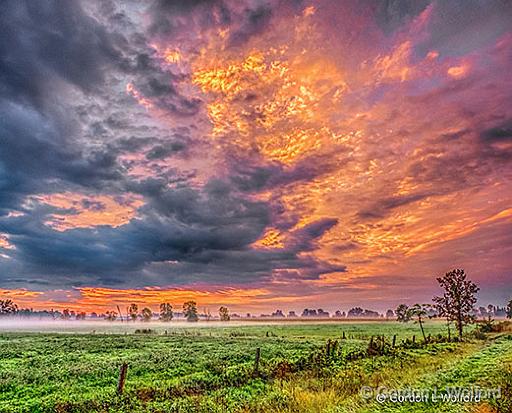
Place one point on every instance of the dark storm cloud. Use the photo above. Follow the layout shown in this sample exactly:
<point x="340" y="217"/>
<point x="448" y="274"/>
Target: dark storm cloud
<point x="255" y="174"/>
<point x="168" y="15"/>
<point x="255" y="20"/>
<point x="459" y="27"/>
<point x="392" y="14"/>
<point x="499" y="133"/>
<point x="45" y="46"/>
<point x="183" y="236"/>
<point x="66" y="122"/>
<point x="43" y="42"/>
<point x="33" y="153"/>
<point x="165" y="150"/>
<point x="386" y="205"/>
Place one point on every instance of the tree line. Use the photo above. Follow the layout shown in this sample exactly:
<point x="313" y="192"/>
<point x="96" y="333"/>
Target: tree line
<point x="456" y="306"/>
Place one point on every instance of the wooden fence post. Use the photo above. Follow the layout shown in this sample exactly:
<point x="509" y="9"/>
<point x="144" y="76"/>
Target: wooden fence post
<point x="343" y="335"/>
<point x="414" y="339"/>
<point x="122" y="378"/>
<point x="257" y="362"/>
<point x="334" y="350"/>
<point x="394" y="340"/>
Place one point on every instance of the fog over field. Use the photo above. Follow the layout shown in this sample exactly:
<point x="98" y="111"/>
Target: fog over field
<point x="20" y="324"/>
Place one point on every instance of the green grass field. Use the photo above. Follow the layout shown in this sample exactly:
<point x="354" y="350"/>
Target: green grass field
<point x="211" y="369"/>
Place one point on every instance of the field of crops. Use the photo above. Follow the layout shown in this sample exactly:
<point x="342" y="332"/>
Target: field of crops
<point x="314" y="367"/>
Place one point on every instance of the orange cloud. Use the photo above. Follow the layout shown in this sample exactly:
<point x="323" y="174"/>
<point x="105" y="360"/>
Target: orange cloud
<point x="90" y="210"/>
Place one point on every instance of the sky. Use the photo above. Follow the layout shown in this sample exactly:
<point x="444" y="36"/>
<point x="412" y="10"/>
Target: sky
<point x="254" y="154"/>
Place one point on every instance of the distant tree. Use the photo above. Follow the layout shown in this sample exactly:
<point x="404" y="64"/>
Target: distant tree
<point x="458" y="300"/>
<point x="309" y="313"/>
<point x="166" y="313"/>
<point x="224" y="314"/>
<point x="146" y="314"/>
<point x="509" y="309"/>
<point x="370" y="314"/>
<point x="291" y="314"/>
<point x="337" y="314"/>
<point x="390" y="314"/>
<point x="8" y="307"/>
<point x="402" y="313"/>
<point x="66" y="314"/>
<point x="355" y="312"/>
<point x="190" y="311"/>
<point x="500" y="311"/>
<point x="110" y="316"/>
<point x="419" y="311"/>
<point x="490" y="310"/>
<point x="278" y="314"/>
<point x="207" y="314"/>
<point x="133" y="311"/>
<point x="322" y="313"/>
<point x="80" y="315"/>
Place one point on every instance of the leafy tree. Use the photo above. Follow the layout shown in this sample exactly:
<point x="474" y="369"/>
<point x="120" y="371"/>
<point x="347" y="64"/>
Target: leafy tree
<point x="224" y="314"/>
<point x="390" y="313"/>
<point x="146" y="314"/>
<point x="8" y="307"/>
<point x="402" y="313"/>
<point x="166" y="313"/>
<point x="509" y="309"/>
<point x="190" y="311"/>
<point x="458" y="300"/>
<point x="133" y="311"/>
<point x="419" y="311"/>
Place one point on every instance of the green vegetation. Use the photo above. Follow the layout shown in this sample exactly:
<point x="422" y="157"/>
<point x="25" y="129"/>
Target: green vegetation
<point x="303" y="368"/>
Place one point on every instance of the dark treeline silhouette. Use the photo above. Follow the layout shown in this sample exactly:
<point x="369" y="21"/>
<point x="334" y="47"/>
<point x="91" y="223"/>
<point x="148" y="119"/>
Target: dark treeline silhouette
<point x="456" y="306"/>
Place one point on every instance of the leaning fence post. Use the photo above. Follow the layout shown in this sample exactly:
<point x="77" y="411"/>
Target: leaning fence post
<point x="414" y="339"/>
<point x="257" y="362"/>
<point x="394" y="340"/>
<point x="122" y="378"/>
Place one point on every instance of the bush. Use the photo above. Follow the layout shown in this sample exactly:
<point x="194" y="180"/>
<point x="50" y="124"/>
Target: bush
<point x="145" y="331"/>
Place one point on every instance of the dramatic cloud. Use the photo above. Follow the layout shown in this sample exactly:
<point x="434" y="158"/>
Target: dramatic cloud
<point x="253" y="153"/>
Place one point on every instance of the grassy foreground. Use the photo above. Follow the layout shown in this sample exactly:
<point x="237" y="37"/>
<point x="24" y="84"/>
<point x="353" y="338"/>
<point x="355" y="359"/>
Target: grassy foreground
<point x="213" y="369"/>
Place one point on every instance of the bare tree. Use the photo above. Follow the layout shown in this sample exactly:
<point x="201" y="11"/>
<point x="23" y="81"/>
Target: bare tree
<point x="457" y="302"/>
<point x="224" y="314"/>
